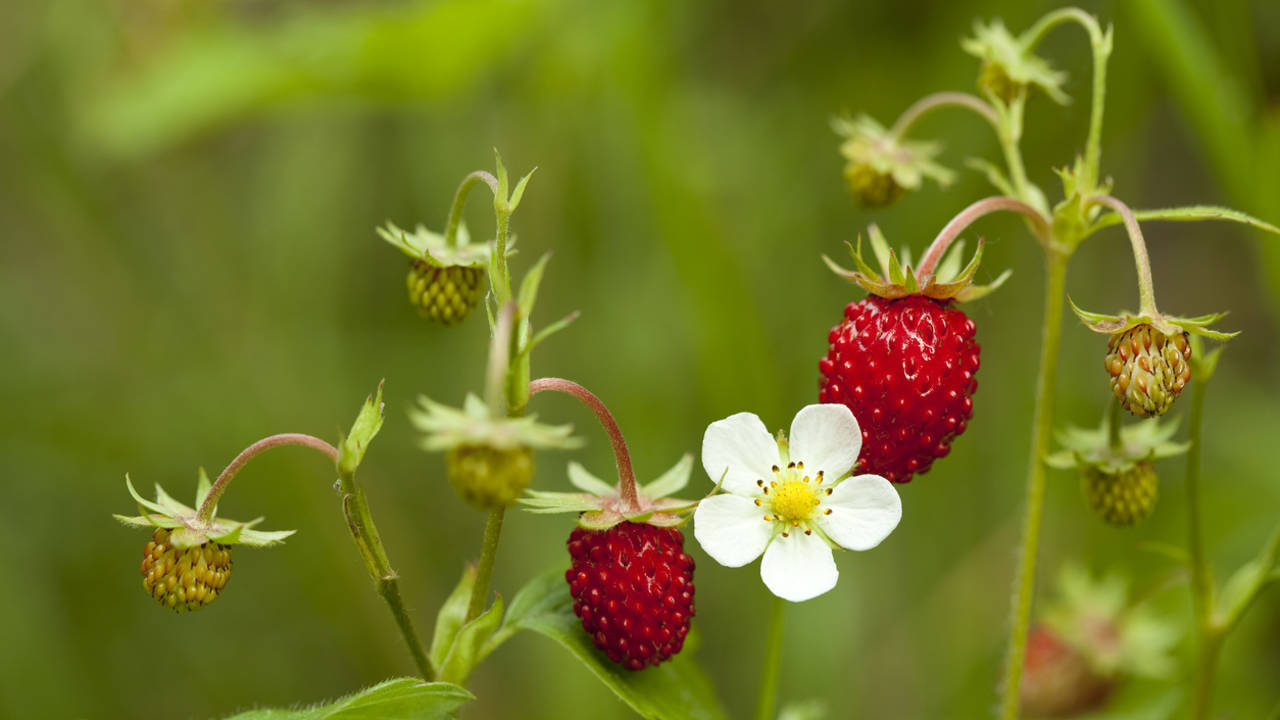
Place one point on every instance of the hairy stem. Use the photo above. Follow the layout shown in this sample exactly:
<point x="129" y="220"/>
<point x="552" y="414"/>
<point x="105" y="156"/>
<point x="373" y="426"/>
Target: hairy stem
<point x="1146" y="289"/>
<point x="1024" y="583"/>
<point x="500" y="356"/>
<point x="220" y="485"/>
<point x="1207" y="653"/>
<point x="621" y="456"/>
<point x="1101" y="47"/>
<point x="1113" y="426"/>
<point x="928" y="103"/>
<point x="967" y="217"/>
<point x="768" y="698"/>
<point x="1007" y="132"/>
<point x="460" y="201"/>
<point x="484" y="571"/>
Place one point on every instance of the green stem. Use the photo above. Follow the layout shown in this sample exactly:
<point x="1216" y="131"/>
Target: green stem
<point x="365" y="534"/>
<point x="1101" y="45"/>
<point x="1146" y="289"/>
<point x="484" y="571"/>
<point x="1007" y="132"/>
<point x="928" y="103"/>
<point x="1206" y="669"/>
<point x="1202" y="594"/>
<point x="768" y="699"/>
<point x="1113" y="427"/>
<point x="460" y="201"/>
<point x="1024" y="584"/>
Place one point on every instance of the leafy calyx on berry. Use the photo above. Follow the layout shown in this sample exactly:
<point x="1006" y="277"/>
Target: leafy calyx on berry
<point x="1167" y="324"/>
<point x="188" y="530"/>
<point x="895" y="279"/>
<point x="435" y="250"/>
<point x="880" y="166"/>
<point x="602" y="506"/>
<point x="1144" y="441"/>
<point x="1009" y="67"/>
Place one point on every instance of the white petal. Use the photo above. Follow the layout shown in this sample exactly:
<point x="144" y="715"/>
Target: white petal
<point x="864" y="510"/>
<point x="741" y="444"/>
<point x="826" y="438"/>
<point x="731" y="529"/>
<point x="798" y="567"/>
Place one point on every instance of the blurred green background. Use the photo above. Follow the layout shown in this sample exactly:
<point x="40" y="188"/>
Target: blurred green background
<point x="188" y="191"/>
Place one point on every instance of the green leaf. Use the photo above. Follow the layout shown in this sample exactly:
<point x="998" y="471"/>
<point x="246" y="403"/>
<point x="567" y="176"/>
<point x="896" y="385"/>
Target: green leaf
<point x="401" y="698"/>
<point x="549" y="330"/>
<point x="203" y="486"/>
<point x="471" y="644"/>
<point x="143" y="503"/>
<point x="529" y="286"/>
<point x="672" y="481"/>
<point x="367" y="424"/>
<point x="1190" y="213"/>
<point x="453" y="613"/>
<point x="993" y="175"/>
<point x="677" y="689"/>
<point x="519" y="191"/>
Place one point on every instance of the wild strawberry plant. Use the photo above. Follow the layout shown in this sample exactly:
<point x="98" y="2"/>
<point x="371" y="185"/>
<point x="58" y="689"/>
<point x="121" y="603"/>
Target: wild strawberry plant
<point x="897" y="390"/>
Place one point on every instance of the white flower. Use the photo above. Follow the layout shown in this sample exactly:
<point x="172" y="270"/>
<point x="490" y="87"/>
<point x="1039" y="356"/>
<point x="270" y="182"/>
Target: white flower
<point x="789" y="500"/>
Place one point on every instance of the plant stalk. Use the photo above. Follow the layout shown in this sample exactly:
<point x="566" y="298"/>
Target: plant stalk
<point x="484" y="571"/>
<point x="1024" y="583"/>
<point x="929" y="103"/>
<point x="966" y="217"/>
<point x="460" y="201"/>
<point x="1146" y="289"/>
<point x="768" y="699"/>
<point x="621" y="456"/>
<point x="228" y="474"/>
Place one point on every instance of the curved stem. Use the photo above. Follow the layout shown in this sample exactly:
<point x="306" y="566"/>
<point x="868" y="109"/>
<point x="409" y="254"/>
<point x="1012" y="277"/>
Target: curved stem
<point x="500" y="353"/>
<point x="626" y="475"/>
<point x="928" y="103"/>
<point x="1101" y="46"/>
<point x="1146" y="290"/>
<point x="960" y="222"/>
<point x="484" y="571"/>
<point x="768" y="698"/>
<point x="1024" y="584"/>
<point x="220" y="485"/>
<point x="460" y="201"/>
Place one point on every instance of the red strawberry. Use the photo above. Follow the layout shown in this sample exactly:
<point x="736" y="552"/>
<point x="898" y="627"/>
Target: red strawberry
<point x="632" y="585"/>
<point x="905" y="367"/>
<point x="904" y="358"/>
<point x="1058" y="680"/>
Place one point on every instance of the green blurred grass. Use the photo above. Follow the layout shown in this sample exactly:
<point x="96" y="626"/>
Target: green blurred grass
<point x="187" y="197"/>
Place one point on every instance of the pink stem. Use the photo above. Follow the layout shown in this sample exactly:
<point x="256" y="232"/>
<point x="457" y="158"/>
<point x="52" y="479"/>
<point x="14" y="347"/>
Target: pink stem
<point x="220" y="485"/>
<point x="626" y="475"/>
<point x="966" y="218"/>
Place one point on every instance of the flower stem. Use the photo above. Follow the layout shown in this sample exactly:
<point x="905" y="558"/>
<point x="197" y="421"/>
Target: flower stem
<point x="928" y="103"/>
<point x="500" y="352"/>
<point x="1008" y="131"/>
<point x="1202" y="600"/>
<point x="220" y="485"/>
<point x="1024" y="584"/>
<point x="1113" y="426"/>
<point x="768" y="699"/>
<point x="1101" y="45"/>
<point x="460" y="201"/>
<point x="621" y="456"/>
<point x="1146" y="289"/>
<point x="484" y="571"/>
<point x="967" y="217"/>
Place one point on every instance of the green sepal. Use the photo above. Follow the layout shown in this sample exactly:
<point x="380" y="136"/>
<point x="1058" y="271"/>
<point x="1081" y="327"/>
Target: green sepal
<point x="399" y="698"/>
<point x="947" y="282"/>
<point x="1167" y="324"/>
<point x="544" y="502"/>
<point x="548" y="331"/>
<point x="188" y="529"/>
<point x="993" y="43"/>
<point x="148" y="521"/>
<point x="1146" y="440"/>
<point x="994" y="175"/>
<point x="433" y="249"/>
<point x="671" y="481"/>
<point x="366" y="426"/>
<point x="203" y="486"/>
<point x="468" y="647"/>
<point x="446" y="428"/>
<point x="582" y="479"/>
<point x="503" y="203"/>
<point x="450" y="618"/>
<point x="168" y="505"/>
<point x="143" y="503"/>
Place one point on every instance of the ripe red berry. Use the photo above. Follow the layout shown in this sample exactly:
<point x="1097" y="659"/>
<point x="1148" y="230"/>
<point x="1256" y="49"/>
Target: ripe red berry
<point x="905" y="367"/>
<point x="632" y="585"/>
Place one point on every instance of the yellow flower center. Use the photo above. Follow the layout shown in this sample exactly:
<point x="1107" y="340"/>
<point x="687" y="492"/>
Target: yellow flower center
<point x="794" y="500"/>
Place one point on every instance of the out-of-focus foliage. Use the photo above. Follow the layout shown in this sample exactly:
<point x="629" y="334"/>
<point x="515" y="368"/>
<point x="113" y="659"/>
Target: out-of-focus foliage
<point x="188" y="197"/>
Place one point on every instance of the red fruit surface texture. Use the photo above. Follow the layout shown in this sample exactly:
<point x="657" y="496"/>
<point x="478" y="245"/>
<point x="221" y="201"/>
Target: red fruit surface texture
<point x="905" y="367"/>
<point x="632" y="586"/>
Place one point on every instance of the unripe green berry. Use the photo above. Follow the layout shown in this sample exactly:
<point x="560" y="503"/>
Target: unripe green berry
<point x="1122" y="498"/>
<point x="1148" y="368"/>
<point x="870" y="187"/>
<point x="488" y="477"/>
<point x="445" y="294"/>
<point x="184" y="578"/>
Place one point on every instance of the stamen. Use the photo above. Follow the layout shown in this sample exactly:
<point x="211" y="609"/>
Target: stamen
<point x="757" y="502"/>
<point x="799" y="466"/>
<point x="776" y="469"/>
<point x="808" y="532"/>
<point x="827" y="511"/>
<point x="829" y="491"/>
<point x="768" y="519"/>
<point x="786" y="534"/>
<point x="760" y="483"/>
<point x="806" y="478"/>
<point x="790" y="465"/>
<point x="766" y="491"/>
